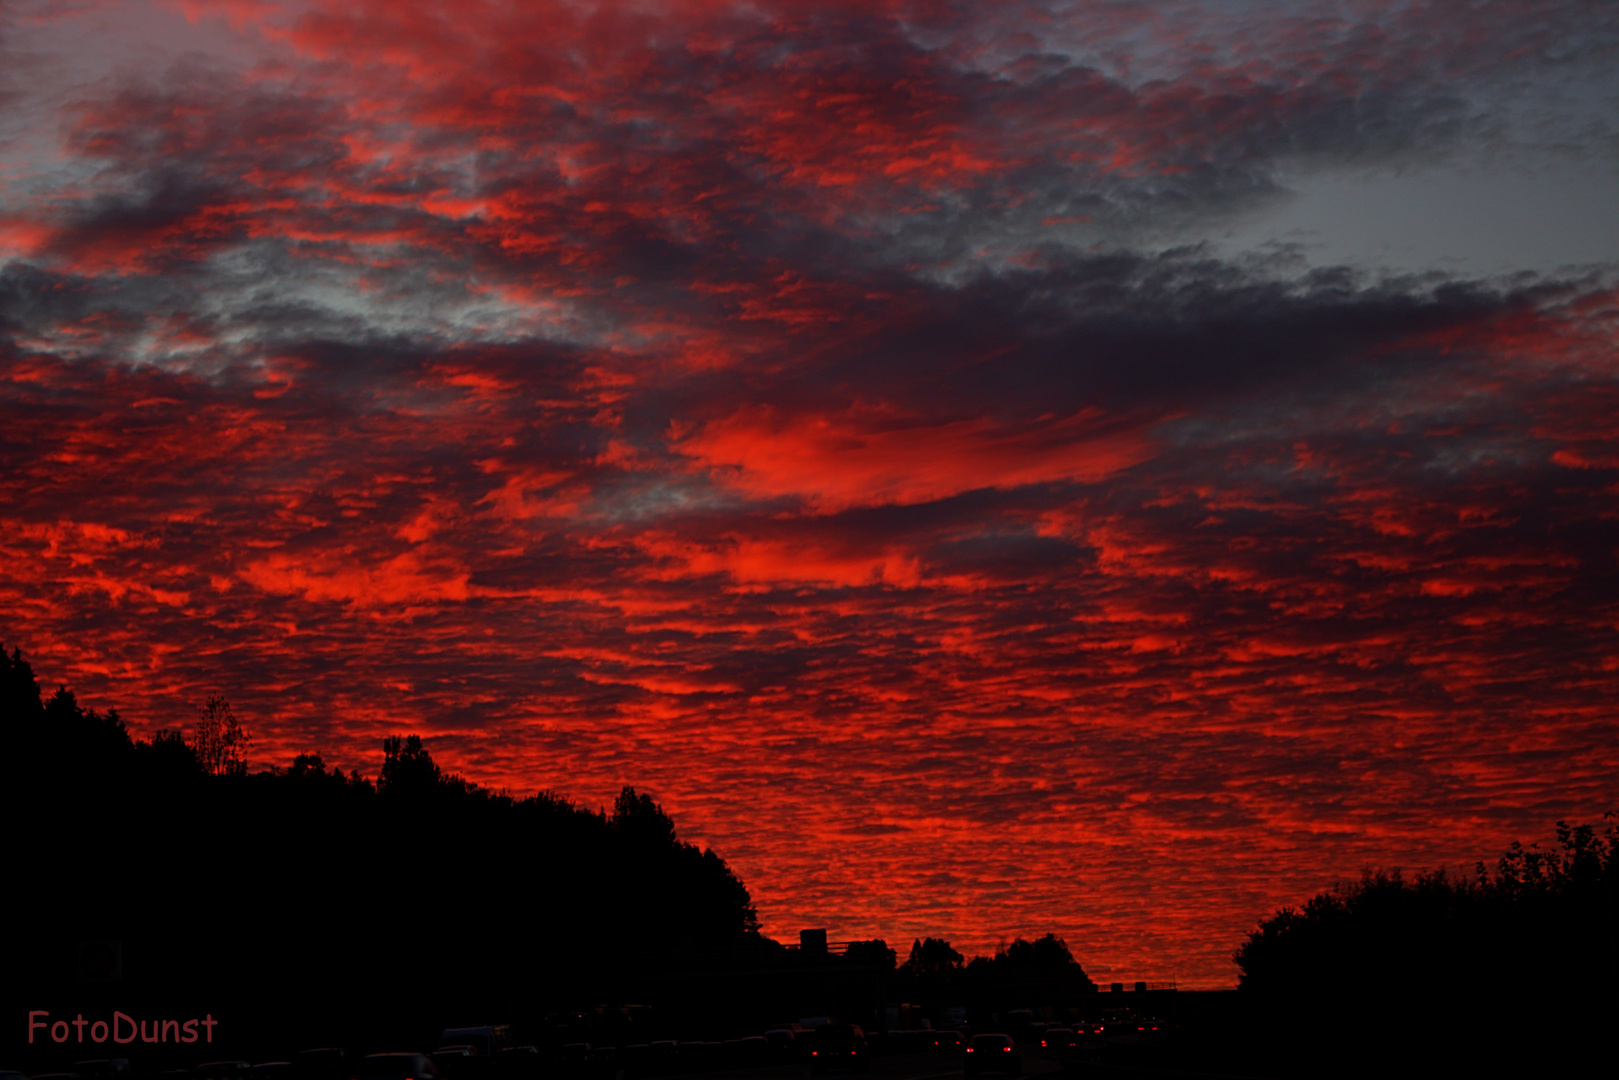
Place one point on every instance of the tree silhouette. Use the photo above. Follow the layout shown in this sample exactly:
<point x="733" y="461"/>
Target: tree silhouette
<point x="407" y="767"/>
<point x="932" y="957"/>
<point x="504" y="901"/>
<point x="641" y="821"/>
<point x="1530" y="947"/>
<point x="219" y="741"/>
<point x="1046" y="955"/>
<point x="654" y="870"/>
<point x="169" y="754"/>
<point x="1044" y="962"/>
<point x="19" y="690"/>
<point x="875" y="953"/>
<point x="307" y="765"/>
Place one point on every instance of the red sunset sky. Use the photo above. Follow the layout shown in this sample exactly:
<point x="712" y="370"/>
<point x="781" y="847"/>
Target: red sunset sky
<point x="985" y="468"/>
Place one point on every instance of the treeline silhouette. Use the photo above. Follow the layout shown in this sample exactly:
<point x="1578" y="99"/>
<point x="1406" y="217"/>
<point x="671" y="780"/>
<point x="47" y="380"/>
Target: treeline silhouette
<point x="306" y="897"/>
<point x="933" y="962"/>
<point x="935" y="977"/>
<point x="1515" y="966"/>
<point x="310" y="905"/>
<point x="934" y="969"/>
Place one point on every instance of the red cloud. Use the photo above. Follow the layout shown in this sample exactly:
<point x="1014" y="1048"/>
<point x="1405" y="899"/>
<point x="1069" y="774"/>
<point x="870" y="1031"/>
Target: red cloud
<point x="870" y="455"/>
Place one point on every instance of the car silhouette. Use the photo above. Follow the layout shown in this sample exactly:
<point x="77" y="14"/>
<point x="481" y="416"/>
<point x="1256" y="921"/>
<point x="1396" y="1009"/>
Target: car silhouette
<point x="323" y="1063"/>
<point x="397" y="1067"/>
<point x="1055" y="1042"/>
<point x="103" y="1069"/>
<point x="455" y="1061"/>
<point x="992" y="1053"/>
<point x="839" y="1046"/>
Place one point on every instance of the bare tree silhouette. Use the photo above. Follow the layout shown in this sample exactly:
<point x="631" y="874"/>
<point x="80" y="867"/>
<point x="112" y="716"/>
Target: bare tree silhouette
<point x="219" y="741"/>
